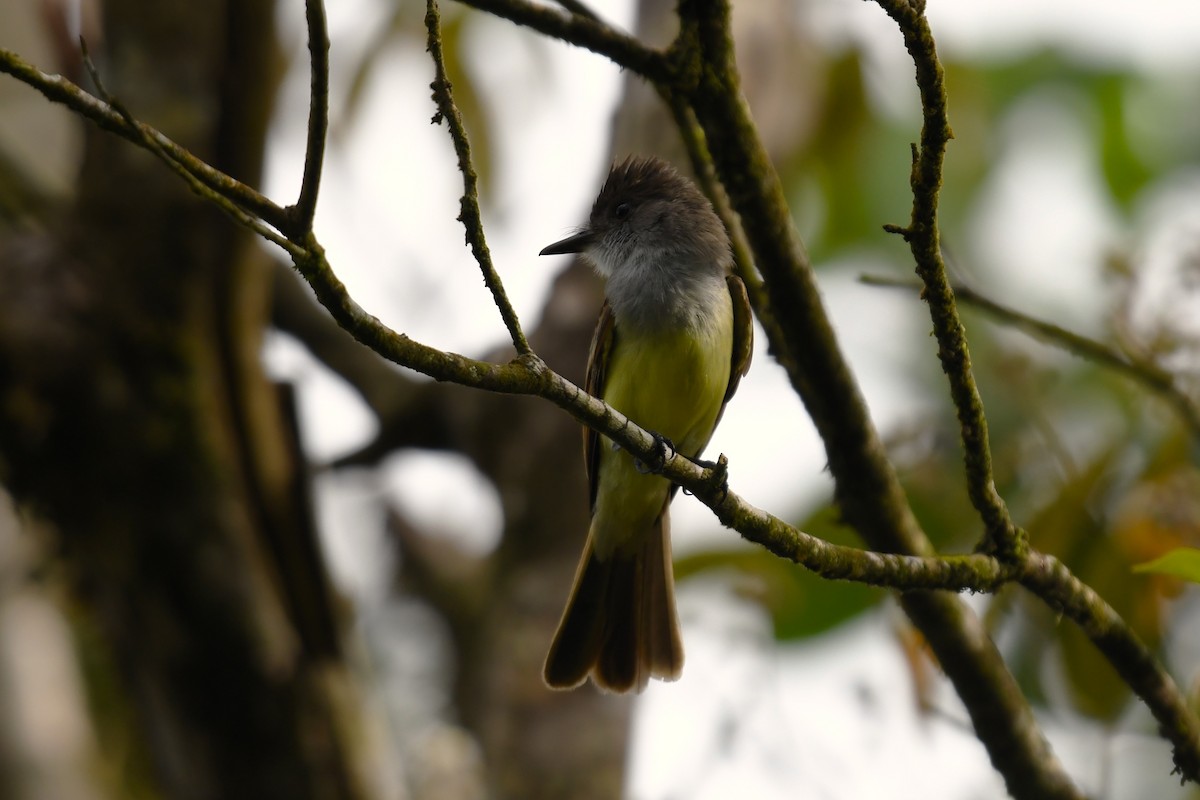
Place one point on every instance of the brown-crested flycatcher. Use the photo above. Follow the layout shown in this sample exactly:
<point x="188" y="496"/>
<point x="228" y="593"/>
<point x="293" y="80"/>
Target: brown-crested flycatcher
<point x="673" y="340"/>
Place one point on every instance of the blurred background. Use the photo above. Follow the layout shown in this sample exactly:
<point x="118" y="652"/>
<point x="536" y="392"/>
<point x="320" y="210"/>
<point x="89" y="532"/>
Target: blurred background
<point x="241" y="556"/>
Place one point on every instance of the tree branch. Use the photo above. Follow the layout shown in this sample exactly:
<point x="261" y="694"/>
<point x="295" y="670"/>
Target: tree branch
<point x="469" y="214"/>
<point x="59" y="90"/>
<point x="1049" y="579"/>
<point x="701" y="72"/>
<point x="923" y="236"/>
<point x="584" y="31"/>
<point x="527" y="374"/>
<point x="1046" y="578"/>
<point x="144" y="136"/>
<point x="318" y="114"/>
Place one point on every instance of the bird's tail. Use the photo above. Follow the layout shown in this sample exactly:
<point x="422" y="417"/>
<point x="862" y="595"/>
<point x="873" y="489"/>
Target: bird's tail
<point x="620" y="624"/>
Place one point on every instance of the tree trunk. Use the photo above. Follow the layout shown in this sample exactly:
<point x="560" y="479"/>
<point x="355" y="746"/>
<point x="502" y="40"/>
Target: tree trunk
<point x="136" y="421"/>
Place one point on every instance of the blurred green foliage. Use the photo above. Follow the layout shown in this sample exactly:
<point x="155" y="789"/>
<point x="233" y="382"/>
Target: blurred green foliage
<point x="1182" y="562"/>
<point x="800" y="603"/>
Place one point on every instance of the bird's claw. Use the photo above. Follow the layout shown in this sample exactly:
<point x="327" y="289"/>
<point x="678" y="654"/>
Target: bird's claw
<point x="665" y="452"/>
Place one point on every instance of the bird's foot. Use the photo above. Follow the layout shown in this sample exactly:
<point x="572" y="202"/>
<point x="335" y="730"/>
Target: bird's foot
<point x="665" y="452"/>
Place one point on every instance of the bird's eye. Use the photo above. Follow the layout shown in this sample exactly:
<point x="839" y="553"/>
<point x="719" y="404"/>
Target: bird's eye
<point x="621" y="211"/>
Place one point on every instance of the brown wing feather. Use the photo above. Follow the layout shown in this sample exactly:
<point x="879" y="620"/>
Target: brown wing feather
<point x="743" y="334"/>
<point x="593" y="384"/>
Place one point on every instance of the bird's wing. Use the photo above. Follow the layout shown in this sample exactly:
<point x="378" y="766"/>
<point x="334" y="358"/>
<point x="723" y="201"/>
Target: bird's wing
<point x="743" y="335"/>
<point x="593" y="384"/>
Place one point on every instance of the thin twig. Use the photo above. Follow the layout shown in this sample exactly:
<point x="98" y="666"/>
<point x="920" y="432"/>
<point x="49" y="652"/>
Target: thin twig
<point x="710" y="184"/>
<point x="696" y="144"/>
<point x="469" y="215"/>
<point x="579" y="9"/>
<point x="59" y="90"/>
<point x="586" y="32"/>
<point x="318" y="115"/>
<point x="922" y="234"/>
<point x="1151" y="376"/>
<point x="152" y="144"/>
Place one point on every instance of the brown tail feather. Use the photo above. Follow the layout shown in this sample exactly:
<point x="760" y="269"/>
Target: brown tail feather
<point x="620" y="624"/>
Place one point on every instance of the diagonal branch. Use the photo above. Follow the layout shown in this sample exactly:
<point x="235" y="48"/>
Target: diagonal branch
<point x="1049" y="579"/>
<point x="59" y="90"/>
<point x="1045" y="577"/>
<point x="527" y="374"/>
<point x="469" y="214"/>
<point x="586" y="32"/>
<point x="143" y="136"/>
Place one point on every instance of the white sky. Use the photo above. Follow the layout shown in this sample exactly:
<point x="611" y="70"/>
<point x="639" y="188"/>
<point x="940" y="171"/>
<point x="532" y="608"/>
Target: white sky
<point x="831" y="718"/>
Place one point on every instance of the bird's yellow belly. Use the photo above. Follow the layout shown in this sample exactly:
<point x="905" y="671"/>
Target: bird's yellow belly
<point x="671" y="383"/>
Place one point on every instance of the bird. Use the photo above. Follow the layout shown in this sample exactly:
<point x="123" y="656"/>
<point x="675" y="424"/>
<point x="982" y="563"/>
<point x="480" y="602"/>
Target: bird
<point x="673" y="340"/>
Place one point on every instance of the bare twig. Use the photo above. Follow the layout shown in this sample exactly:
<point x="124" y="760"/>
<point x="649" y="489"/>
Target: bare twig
<point x="318" y="115"/>
<point x="584" y="31"/>
<point x="469" y="214"/>
<point x="1149" y="375"/>
<point x="58" y="89"/>
<point x="143" y="135"/>
<point x="922" y="234"/>
<point x="579" y="9"/>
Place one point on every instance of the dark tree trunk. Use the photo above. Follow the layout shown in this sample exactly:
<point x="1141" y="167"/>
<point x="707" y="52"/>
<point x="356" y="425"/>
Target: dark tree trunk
<point x="136" y="421"/>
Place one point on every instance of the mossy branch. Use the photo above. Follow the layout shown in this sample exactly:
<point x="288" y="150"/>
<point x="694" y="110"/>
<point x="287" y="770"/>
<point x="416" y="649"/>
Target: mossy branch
<point x="867" y="489"/>
<point x="1049" y="579"/>
<point x="1044" y="576"/>
<point x="1002" y="537"/>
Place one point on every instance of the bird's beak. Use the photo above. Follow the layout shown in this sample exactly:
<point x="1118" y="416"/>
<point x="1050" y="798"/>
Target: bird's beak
<point x="572" y="244"/>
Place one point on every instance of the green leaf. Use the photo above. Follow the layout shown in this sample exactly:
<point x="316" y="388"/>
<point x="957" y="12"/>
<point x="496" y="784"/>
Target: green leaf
<point x="1183" y="562"/>
<point x="801" y="604"/>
